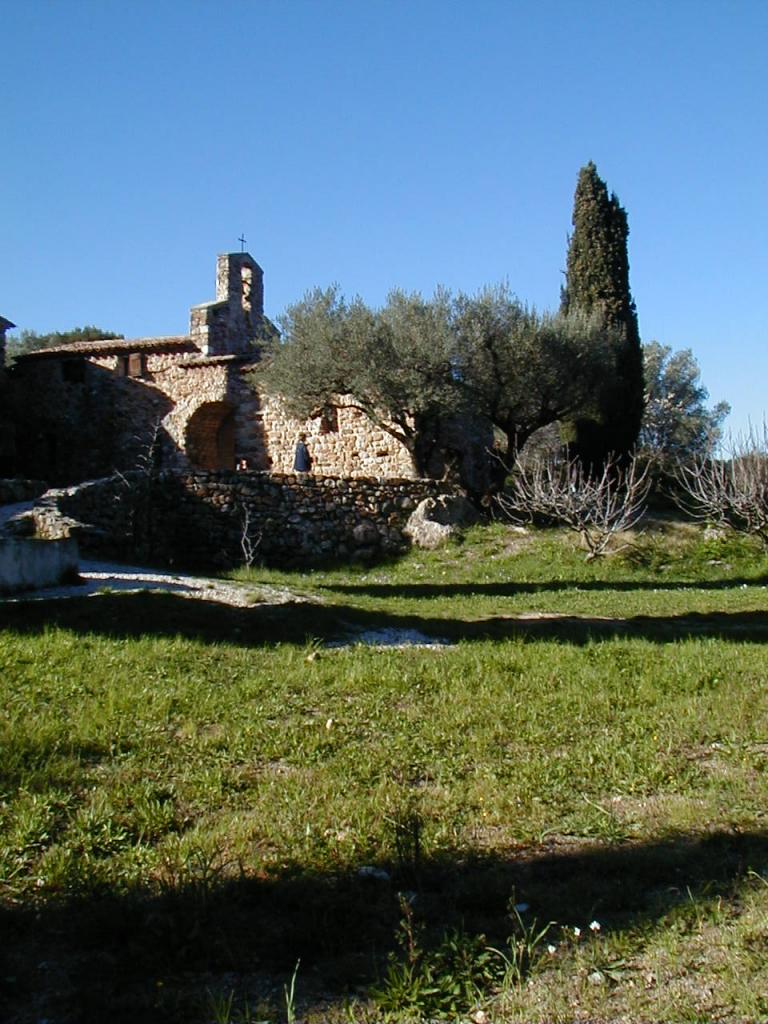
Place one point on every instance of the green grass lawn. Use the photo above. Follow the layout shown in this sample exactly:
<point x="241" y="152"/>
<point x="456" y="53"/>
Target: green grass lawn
<point x="188" y="793"/>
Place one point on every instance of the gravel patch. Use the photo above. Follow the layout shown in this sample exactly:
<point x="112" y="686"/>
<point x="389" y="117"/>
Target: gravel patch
<point x="386" y="639"/>
<point x="99" y="578"/>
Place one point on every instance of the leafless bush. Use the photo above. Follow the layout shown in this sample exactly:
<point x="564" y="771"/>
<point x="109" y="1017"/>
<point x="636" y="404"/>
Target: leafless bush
<point x="730" y="492"/>
<point x="597" y="506"/>
<point x="133" y="492"/>
<point x="250" y="537"/>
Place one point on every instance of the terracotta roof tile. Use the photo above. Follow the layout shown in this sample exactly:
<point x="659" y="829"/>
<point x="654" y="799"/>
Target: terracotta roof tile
<point x="115" y="346"/>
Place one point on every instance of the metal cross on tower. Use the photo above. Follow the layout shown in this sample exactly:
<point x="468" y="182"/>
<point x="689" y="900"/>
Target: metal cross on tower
<point x="241" y="240"/>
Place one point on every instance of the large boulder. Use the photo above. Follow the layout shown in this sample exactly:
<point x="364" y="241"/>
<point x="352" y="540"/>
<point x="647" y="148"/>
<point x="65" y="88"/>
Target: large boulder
<point x="435" y="520"/>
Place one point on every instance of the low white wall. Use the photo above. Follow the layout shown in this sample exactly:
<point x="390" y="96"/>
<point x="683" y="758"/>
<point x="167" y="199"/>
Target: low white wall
<point x="28" y="564"/>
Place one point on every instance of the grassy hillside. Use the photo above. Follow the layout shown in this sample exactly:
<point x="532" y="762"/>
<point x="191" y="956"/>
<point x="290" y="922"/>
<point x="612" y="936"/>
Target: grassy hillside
<point x="189" y="791"/>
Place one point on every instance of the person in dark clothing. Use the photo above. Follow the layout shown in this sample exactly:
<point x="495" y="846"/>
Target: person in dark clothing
<point x="302" y="462"/>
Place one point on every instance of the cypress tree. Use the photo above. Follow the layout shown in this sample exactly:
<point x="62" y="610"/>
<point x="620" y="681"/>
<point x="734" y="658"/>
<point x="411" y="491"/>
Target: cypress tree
<point x="597" y="281"/>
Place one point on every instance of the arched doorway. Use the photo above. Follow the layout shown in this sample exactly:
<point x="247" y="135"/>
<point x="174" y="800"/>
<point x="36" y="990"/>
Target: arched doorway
<point x="210" y="436"/>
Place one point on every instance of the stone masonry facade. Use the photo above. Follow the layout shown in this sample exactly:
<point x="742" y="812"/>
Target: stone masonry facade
<point x="201" y="519"/>
<point x="86" y="409"/>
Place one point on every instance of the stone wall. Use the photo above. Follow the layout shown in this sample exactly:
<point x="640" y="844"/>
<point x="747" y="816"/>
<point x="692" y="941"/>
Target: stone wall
<point x="202" y="412"/>
<point x="216" y="391"/>
<point x="198" y="520"/>
<point x="341" y="442"/>
<point x="208" y="391"/>
<point x="77" y="426"/>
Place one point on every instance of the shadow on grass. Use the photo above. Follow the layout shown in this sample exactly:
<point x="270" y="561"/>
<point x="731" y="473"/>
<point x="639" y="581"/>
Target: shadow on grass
<point x="143" y="957"/>
<point x="123" y="616"/>
<point x="427" y="591"/>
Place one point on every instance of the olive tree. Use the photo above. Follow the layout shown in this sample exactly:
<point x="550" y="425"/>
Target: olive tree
<point x="438" y="374"/>
<point x="677" y="423"/>
<point x="525" y="370"/>
<point x="394" y="364"/>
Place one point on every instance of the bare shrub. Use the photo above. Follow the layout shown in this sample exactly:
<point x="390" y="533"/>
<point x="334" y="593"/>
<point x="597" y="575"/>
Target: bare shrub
<point x="730" y="492"/>
<point x="250" y="537"/>
<point x="597" y="505"/>
<point x="134" y="492"/>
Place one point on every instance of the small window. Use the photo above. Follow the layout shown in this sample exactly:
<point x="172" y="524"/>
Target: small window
<point x="136" y="364"/>
<point x="73" y="371"/>
<point x="133" y="365"/>
<point x="329" y="420"/>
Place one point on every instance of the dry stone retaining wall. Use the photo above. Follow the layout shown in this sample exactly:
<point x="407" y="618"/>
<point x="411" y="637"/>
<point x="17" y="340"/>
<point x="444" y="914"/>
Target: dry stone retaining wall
<point x="199" y="519"/>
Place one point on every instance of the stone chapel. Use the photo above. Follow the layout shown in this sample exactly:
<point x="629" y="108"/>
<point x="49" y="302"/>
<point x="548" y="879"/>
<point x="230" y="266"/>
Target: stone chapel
<point x="83" y="410"/>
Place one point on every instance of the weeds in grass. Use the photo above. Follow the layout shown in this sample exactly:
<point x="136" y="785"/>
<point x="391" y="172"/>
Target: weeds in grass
<point x="222" y="1007"/>
<point x="193" y="870"/>
<point x="458" y="974"/>
<point x="289" y="992"/>
<point x="436" y="983"/>
<point x="606" y="826"/>
<point x="525" y="949"/>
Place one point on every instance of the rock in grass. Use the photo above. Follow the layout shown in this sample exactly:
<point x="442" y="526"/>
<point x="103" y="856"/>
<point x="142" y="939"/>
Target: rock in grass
<point x="436" y="520"/>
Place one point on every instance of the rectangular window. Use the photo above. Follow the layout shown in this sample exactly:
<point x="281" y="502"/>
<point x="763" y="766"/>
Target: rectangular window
<point x="329" y="420"/>
<point x="136" y="364"/>
<point x="133" y="365"/>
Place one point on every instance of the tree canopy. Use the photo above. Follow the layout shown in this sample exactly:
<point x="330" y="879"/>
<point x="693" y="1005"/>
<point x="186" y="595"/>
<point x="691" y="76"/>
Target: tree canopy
<point x="394" y="364"/>
<point x="525" y="370"/>
<point x="418" y="367"/>
<point x="676" y="423"/>
<point x="597" y="282"/>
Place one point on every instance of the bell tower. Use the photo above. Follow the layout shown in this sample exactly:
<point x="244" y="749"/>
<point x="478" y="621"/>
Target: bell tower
<point x="230" y="324"/>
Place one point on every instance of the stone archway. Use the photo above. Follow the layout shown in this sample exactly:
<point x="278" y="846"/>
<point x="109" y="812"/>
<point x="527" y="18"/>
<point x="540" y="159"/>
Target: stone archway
<point x="209" y="437"/>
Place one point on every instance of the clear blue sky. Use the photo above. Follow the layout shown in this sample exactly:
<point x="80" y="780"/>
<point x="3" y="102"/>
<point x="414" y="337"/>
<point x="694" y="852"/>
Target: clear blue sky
<point x="377" y="144"/>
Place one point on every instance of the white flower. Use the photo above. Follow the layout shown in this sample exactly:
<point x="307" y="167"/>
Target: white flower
<point x="551" y="949"/>
<point x="594" y="926"/>
<point x="577" y="932"/>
